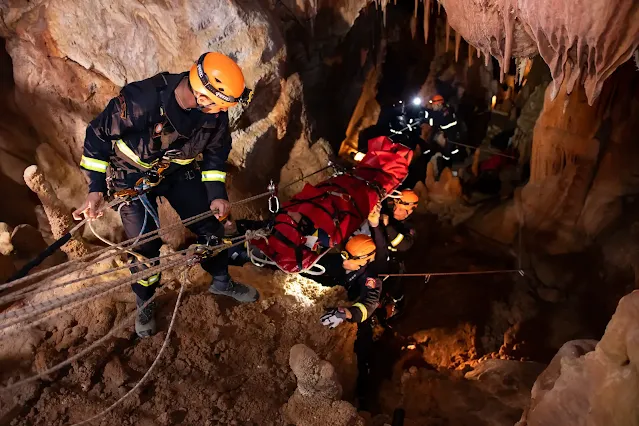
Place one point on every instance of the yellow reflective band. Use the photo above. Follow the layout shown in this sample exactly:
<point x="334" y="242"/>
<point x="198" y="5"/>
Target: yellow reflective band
<point x="93" y="164"/>
<point x="213" y="176"/>
<point x="150" y="281"/>
<point x="454" y="123"/>
<point x="398" y="239"/>
<point x="124" y="149"/>
<point x="363" y="309"/>
<point x="182" y="162"/>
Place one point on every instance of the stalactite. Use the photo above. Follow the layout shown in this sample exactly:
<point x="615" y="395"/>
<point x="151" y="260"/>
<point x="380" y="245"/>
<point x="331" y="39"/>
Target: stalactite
<point x="426" y="20"/>
<point x="439" y="7"/>
<point x="509" y="25"/>
<point x="457" y="44"/>
<point x="413" y="27"/>
<point x="384" y="4"/>
<point x="415" y="12"/>
<point x="478" y="53"/>
<point x="521" y="65"/>
<point x="447" y="34"/>
<point x="486" y="58"/>
<point x="470" y="55"/>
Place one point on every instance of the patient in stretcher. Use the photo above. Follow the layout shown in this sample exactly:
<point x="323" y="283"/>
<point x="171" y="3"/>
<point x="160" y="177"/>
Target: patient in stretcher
<point x="316" y="239"/>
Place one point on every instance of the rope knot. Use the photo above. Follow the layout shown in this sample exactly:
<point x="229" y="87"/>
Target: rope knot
<point x="256" y="234"/>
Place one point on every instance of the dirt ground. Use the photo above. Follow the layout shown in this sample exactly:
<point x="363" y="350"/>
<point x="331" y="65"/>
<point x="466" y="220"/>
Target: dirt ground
<point x="226" y="364"/>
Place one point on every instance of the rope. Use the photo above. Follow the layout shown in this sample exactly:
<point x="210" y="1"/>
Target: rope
<point x="112" y="244"/>
<point x="87" y="295"/>
<point x="104" y="253"/>
<point x="108" y="335"/>
<point x="489" y="150"/>
<point x="79" y="354"/>
<point x="65" y="302"/>
<point x="148" y="372"/>
<point x="26" y="291"/>
<point x="330" y="164"/>
<point x="442" y="274"/>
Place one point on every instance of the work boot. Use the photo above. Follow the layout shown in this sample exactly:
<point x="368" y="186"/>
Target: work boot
<point x="145" y="320"/>
<point x="225" y="286"/>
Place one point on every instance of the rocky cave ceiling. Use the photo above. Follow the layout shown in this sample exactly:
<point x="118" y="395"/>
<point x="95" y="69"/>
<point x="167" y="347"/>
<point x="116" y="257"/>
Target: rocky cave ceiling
<point x="582" y="41"/>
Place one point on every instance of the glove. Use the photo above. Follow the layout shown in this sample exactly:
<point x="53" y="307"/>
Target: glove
<point x="373" y="217"/>
<point x="333" y="317"/>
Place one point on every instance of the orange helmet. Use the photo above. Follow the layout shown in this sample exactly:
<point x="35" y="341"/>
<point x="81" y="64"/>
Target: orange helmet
<point x="359" y="247"/>
<point x="408" y="200"/>
<point x="437" y="100"/>
<point x="219" y="78"/>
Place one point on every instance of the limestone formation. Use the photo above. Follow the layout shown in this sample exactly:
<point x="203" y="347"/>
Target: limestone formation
<point x="59" y="217"/>
<point x="316" y="401"/>
<point x="582" y="386"/>
<point x="574" y="39"/>
<point x="5" y="239"/>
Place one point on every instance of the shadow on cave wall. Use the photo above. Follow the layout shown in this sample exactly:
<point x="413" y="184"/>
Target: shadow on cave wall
<point x="15" y="153"/>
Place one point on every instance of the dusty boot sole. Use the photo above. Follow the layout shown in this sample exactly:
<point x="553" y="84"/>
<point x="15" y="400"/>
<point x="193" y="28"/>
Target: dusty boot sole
<point x="145" y="330"/>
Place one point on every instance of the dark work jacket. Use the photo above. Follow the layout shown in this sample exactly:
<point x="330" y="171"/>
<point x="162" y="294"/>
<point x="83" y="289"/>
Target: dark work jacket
<point x="400" y="235"/>
<point x="145" y="123"/>
<point x="364" y="285"/>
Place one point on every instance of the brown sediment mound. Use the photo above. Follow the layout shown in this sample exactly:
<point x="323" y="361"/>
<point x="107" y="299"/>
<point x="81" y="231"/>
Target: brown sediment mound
<point x="225" y="364"/>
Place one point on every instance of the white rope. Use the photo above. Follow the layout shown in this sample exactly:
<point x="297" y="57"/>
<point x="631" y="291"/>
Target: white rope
<point x="78" y="355"/>
<point x="128" y="244"/>
<point x="66" y="302"/>
<point x="110" y="333"/>
<point x="148" y="373"/>
<point x="112" y="244"/>
<point x="87" y="295"/>
<point x="25" y="292"/>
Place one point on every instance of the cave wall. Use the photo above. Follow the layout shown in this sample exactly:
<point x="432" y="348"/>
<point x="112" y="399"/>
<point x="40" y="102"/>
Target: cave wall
<point x="18" y="144"/>
<point x="68" y="63"/>
<point x="582" y="163"/>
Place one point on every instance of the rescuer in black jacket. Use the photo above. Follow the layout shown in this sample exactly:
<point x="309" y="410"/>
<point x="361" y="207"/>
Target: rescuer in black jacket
<point x="161" y="129"/>
<point x="400" y="236"/>
<point x="363" y="258"/>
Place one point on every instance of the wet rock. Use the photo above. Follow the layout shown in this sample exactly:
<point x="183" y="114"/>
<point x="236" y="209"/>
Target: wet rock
<point x="576" y="23"/>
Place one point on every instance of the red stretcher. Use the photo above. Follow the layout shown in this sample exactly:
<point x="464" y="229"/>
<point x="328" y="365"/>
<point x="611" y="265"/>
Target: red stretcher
<point x="334" y="209"/>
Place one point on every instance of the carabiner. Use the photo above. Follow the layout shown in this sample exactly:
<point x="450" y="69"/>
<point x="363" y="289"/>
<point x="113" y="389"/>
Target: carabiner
<point x="273" y="201"/>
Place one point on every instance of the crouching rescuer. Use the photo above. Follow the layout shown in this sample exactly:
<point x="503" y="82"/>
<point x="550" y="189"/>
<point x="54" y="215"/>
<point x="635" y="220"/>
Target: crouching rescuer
<point x="362" y="259"/>
<point x="148" y="138"/>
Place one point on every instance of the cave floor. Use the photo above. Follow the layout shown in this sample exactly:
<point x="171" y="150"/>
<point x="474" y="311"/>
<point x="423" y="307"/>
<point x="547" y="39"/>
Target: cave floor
<point x="450" y="324"/>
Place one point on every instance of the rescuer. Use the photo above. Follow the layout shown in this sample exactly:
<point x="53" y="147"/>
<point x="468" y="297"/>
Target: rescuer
<point x="169" y="132"/>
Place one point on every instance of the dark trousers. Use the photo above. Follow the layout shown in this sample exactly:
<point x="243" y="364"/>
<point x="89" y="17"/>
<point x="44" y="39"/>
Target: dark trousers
<point x="186" y="193"/>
